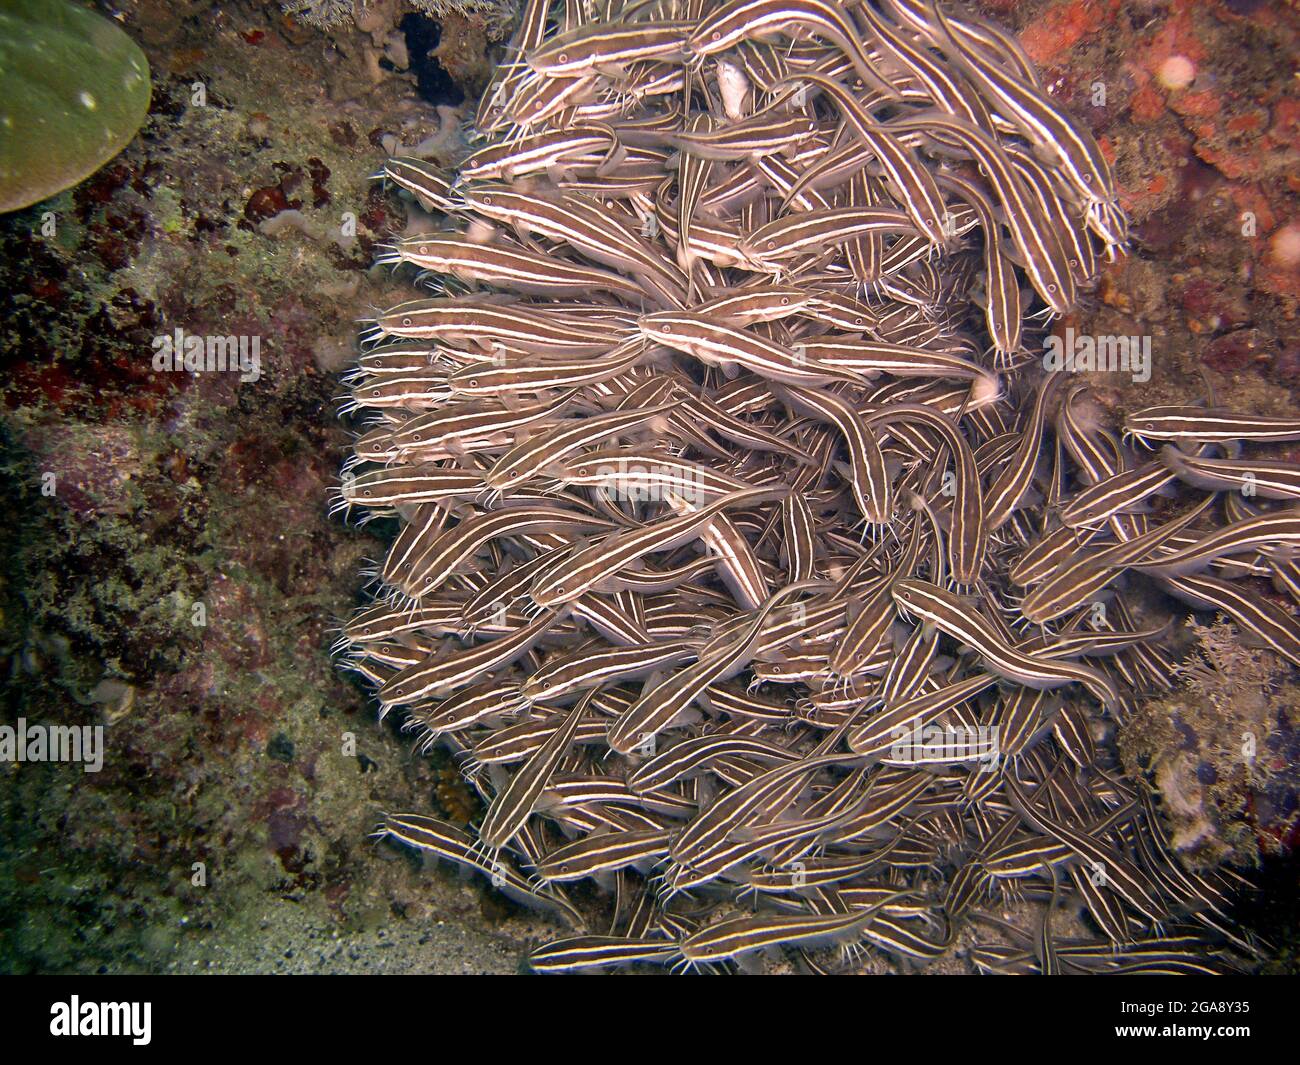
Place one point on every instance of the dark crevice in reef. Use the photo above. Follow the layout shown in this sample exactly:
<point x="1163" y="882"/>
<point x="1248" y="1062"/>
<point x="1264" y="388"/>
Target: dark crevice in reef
<point x="1273" y="908"/>
<point x="434" y="83"/>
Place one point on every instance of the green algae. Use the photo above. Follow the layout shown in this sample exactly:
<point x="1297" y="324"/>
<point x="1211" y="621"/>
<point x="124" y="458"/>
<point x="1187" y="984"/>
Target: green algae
<point x="75" y="90"/>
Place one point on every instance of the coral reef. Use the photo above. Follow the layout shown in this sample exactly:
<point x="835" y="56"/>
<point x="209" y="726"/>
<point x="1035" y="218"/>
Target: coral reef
<point x="1223" y="751"/>
<point x="178" y="487"/>
<point x="177" y="584"/>
<point x="322" y="13"/>
<point x="495" y="17"/>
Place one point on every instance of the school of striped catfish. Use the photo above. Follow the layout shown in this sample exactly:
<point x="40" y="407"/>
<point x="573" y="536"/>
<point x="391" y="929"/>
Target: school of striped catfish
<point x="749" y="564"/>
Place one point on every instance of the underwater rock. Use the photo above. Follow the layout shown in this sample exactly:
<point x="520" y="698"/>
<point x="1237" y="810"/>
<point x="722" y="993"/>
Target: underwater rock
<point x="495" y="16"/>
<point x="1218" y="751"/>
<point x="75" y="91"/>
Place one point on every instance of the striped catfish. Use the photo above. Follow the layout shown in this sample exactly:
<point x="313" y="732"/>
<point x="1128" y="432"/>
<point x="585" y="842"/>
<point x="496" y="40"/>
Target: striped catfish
<point x="701" y="305"/>
<point x="738" y="936"/>
<point x="602" y="561"/>
<point x="659" y="705"/>
<point x="437" y="675"/>
<point x="1262" y="477"/>
<point x="590" y="953"/>
<point x="528" y="458"/>
<point x="947" y="612"/>
<point x="513" y="805"/>
<point x="581" y="669"/>
<point x="1207" y="425"/>
<point x="1278" y="532"/>
<point x="740" y="20"/>
<point x="1046" y="126"/>
<point x="715" y="343"/>
<point x="442" y="840"/>
<point x="516" y="269"/>
<point x="609" y="46"/>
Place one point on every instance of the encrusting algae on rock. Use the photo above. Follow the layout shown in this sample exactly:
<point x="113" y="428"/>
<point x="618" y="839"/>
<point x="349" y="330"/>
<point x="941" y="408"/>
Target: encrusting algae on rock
<point x="1221" y="751"/>
<point x="495" y="16"/>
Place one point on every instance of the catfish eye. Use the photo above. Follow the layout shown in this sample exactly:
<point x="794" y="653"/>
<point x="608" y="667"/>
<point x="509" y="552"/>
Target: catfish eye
<point x="715" y="36"/>
<point x="564" y="57"/>
<point x="406" y="321"/>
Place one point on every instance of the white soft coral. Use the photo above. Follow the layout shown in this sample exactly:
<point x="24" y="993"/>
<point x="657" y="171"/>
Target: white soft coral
<point x="496" y="16"/>
<point x="323" y="13"/>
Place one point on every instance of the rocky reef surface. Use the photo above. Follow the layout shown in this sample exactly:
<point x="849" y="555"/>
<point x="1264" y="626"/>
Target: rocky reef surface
<point x="168" y="570"/>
